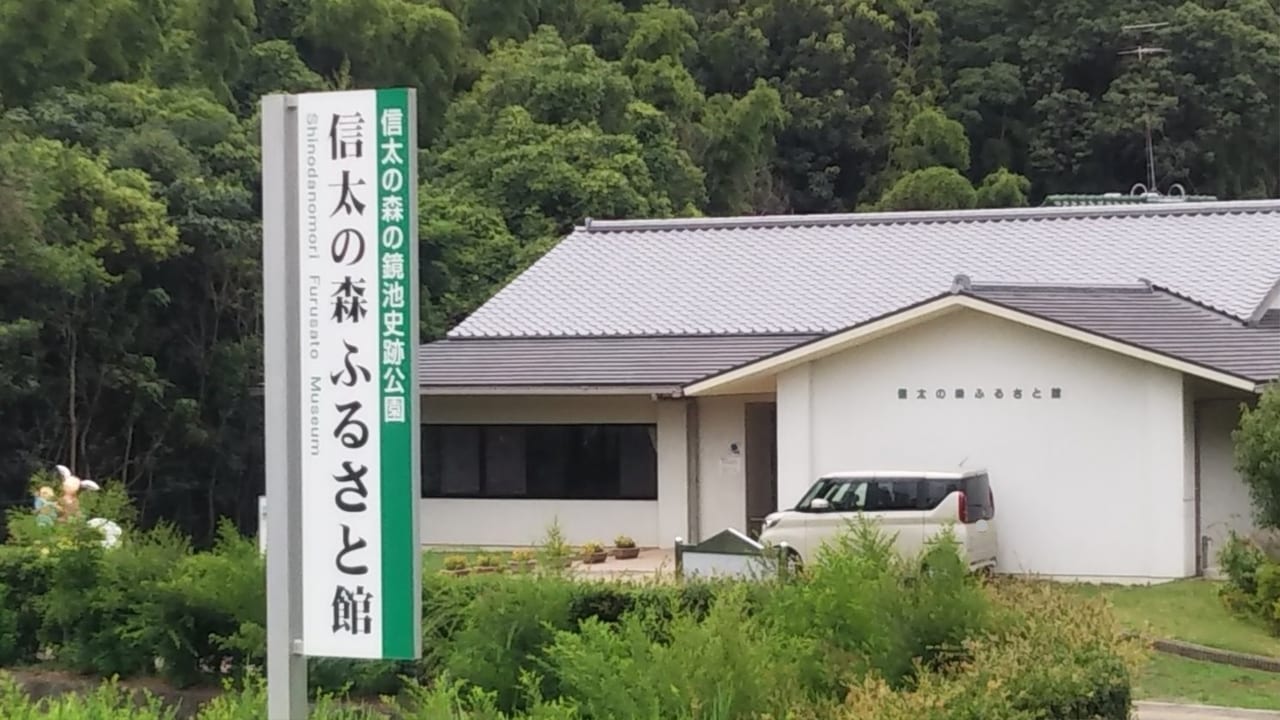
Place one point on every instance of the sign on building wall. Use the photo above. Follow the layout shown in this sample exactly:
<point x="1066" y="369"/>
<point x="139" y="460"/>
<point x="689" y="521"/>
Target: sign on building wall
<point x="980" y="393"/>
<point x="357" y="272"/>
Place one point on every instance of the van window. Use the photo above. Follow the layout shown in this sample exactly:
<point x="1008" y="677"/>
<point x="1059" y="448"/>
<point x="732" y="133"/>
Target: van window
<point x="937" y="490"/>
<point x="977" y="493"/>
<point x="889" y="495"/>
<point x="865" y="496"/>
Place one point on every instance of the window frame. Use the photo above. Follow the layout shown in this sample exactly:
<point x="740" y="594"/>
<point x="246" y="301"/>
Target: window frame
<point x="482" y="464"/>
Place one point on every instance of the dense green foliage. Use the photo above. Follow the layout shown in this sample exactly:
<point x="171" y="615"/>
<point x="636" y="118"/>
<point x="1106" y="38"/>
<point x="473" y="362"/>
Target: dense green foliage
<point x="1257" y="453"/>
<point x="863" y="633"/>
<point x="1252" y="567"/>
<point x="130" y="331"/>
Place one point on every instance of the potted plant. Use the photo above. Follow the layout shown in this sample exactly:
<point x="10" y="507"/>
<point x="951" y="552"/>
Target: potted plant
<point x="487" y="564"/>
<point x="593" y="552"/>
<point x="455" y="565"/>
<point x="624" y="548"/>
<point x="521" y="559"/>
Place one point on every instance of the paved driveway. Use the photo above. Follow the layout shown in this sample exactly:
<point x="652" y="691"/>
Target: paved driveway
<point x="1169" y="711"/>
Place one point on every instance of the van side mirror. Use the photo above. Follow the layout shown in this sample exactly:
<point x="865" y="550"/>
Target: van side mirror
<point x="819" y="504"/>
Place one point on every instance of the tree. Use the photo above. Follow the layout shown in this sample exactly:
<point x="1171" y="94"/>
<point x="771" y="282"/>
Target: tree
<point x="931" y="138"/>
<point x="934" y="188"/>
<point x="129" y="169"/>
<point x="77" y="290"/>
<point x="1257" y="455"/>
<point x="387" y="43"/>
<point x="1003" y="189"/>
<point x="184" y="362"/>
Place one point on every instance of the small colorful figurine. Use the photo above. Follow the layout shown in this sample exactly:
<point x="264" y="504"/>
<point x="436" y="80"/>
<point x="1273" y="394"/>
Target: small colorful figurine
<point x="71" y="487"/>
<point x="46" y="506"/>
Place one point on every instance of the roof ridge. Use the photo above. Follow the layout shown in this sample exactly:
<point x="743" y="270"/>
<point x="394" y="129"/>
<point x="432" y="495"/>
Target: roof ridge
<point x="591" y="225"/>
<point x="1139" y="286"/>
<point x="627" y="336"/>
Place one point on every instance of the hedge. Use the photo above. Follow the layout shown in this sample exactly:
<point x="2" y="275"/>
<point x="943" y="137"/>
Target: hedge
<point x="863" y="633"/>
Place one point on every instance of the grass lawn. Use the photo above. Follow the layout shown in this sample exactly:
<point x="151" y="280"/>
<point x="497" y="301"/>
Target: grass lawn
<point x="1190" y="610"/>
<point x="1177" y="679"/>
<point x="1187" y="610"/>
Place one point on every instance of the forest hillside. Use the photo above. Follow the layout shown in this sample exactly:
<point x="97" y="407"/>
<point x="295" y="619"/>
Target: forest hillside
<point x="130" y="288"/>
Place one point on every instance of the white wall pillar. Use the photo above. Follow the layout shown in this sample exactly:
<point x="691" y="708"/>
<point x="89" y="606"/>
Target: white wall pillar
<point x="795" y="436"/>
<point x="1171" y="510"/>
<point x="673" y="471"/>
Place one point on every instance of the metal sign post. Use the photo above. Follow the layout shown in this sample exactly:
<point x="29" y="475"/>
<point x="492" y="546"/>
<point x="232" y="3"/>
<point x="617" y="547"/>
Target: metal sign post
<point x="342" y="412"/>
<point x="282" y="394"/>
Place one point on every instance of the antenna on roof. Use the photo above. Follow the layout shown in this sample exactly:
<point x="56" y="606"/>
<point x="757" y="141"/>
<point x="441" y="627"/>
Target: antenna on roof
<point x="1141" y="52"/>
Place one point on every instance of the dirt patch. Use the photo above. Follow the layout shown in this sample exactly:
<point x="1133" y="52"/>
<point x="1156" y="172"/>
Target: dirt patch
<point x="42" y="683"/>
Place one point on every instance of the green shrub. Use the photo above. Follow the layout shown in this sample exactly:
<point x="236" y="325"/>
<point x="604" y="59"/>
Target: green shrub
<point x="93" y="612"/>
<point x="901" y="637"/>
<point x="107" y="702"/>
<point x="450" y="699"/>
<point x="210" y="609"/>
<point x="1267" y="599"/>
<point x="873" y="610"/>
<point x="1253" y="581"/>
<point x="712" y="667"/>
<point x="1257" y="455"/>
<point x="358" y="678"/>
<point x="24" y="579"/>
<point x="1048" y="655"/>
<point x="1058" y="655"/>
<point x="503" y="631"/>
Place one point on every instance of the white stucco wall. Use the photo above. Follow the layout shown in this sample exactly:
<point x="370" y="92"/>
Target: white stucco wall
<point x="1092" y="485"/>
<point x="1224" y="498"/>
<point x="673" y="472"/>
<point x="497" y="522"/>
<point x="722" y="485"/>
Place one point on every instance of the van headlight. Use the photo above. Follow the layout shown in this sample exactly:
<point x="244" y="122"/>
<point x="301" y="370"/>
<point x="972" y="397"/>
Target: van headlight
<point x="771" y="520"/>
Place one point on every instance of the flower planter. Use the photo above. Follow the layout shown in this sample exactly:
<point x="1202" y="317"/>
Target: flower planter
<point x="594" y="558"/>
<point x="488" y="569"/>
<point x="518" y="566"/>
<point x="456" y="573"/>
<point x="626" y="553"/>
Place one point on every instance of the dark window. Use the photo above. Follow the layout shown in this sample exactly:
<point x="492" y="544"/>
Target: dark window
<point x="847" y="495"/>
<point x="979" y="505"/>
<point x="884" y="495"/>
<point x="935" y="491"/>
<point x="560" y="462"/>
<point x="459" y="459"/>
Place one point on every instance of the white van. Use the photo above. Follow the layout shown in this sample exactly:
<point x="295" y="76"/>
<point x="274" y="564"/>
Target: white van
<point x="914" y="506"/>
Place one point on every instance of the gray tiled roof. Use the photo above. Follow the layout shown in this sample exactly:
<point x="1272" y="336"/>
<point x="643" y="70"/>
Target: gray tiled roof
<point x="1156" y="320"/>
<point x="817" y="274"/>
<point x="667" y="362"/>
<point x="1140" y="315"/>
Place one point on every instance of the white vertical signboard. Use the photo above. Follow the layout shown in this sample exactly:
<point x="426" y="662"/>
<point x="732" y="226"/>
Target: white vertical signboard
<point x="340" y="308"/>
<point x="360" y="551"/>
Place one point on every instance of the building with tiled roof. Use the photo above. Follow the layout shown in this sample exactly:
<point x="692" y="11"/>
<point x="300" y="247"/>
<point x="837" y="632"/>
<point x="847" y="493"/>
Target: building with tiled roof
<point x="673" y="378"/>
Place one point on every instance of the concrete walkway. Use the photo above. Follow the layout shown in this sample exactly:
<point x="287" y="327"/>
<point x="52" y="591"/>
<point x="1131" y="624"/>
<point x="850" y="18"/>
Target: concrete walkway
<point x="650" y="564"/>
<point x="1172" y="711"/>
